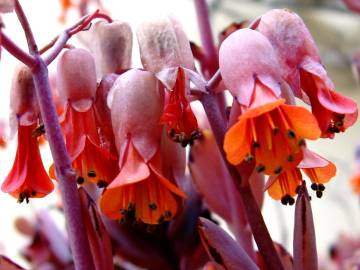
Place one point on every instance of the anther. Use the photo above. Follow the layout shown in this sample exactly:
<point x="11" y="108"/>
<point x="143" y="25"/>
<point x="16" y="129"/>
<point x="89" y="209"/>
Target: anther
<point x="161" y="219"/>
<point x="278" y="170"/>
<point x="291" y="200"/>
<point x="80" y="180"/>
<point x="275" y="130"/>
<point x="92" y="174"/>
<point x="33" y="193"/>
<point x="101" y="183"/>
<point x="256" y="144"/>
<point x="21" y="198"/>
<point x="291" y="134"/>
<point x="319" y="194"/>
<point x="184" y="142"/>
<point x="314" y="186"/>
<point x="122" y="220"/>
<point x="260" y="168"/>
<point x="249" y="158"/>
<point x="284" y="200"/>
<point x="152" y="206"/>
<point x="290" y="158"/>
<point x="301" y="142"/>
<point x="172" y="132"/>
<point x="167" y="214"/>
<point x="131" y="207"/>
<point x="321" y="187"/>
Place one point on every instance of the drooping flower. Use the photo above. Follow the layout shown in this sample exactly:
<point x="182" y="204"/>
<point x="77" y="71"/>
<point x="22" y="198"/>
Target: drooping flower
<point x="111" y="46"/>
<point x="284" y="186"/>
<point x="165" y="51"/>
<point x="28" y="177"/>
<point x="302" y="69"/>
<point x="88" y="147"/>
<point x="140" y="191"/>
<point x="268" y="131"/>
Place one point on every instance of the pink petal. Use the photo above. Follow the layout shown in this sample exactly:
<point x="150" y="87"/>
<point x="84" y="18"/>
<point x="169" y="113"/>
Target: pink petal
<point x="135" y="112"/>
<point x="7" y="6"/>
<point x="76" y="84"/>
<point x="305" y="254"/>
<point x="291" y="40"/>
<point x="312" y="160"/>
<point x="244" y="56"/>
<point x="163" y="44"/>
<point x="23" y="102"/>
<point x="222" y="248"/>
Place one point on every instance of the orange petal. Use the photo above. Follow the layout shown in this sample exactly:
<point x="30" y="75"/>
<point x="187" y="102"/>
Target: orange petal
<point x="237" y="142"/>
<point x="321" y="175"/>
<point x="302" y="121"/>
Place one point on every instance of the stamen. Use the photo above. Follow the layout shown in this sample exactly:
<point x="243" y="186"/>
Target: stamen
<point x="291" y="200"/>
<point x="278" y="170"/>
<point x="253" y="130"/>
<point x="91" y="174"/>
<point x="102" y="183"/>
<point x="314" y="186"/>
<point x="33" y="193"/>
<point x="274" y="128"/>
<point x="301" y="142"/>
<point x="321" y="187"/>
<point x="167" y="214"/>
<point x="260" y="168"/>
<point x="284" y="200"/>
<point x="291" y="134"/>
<point x="290" y="158"/>
<point x="80" y="180"/>
<point x="319" y="194"/>
<point x="152" y="206"/>
<point x="249" y="158"/>
<point x="131" y="207"/>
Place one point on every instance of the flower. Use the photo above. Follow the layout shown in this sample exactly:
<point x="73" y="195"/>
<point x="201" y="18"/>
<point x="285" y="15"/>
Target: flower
<point x="284" y="186"/>
<point x="302" y="69"/>
<point x="89" y="149"/>
<point x="140" y="191"/>
<point x="165" y="51"/>
<point x="266" y="129"/>
<point x="27" y="177"/>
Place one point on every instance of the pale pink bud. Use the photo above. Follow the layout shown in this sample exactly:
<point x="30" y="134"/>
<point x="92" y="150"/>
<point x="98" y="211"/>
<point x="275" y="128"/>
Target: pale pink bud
<point x="135" y="112"/>
<point x="76" y="78"/>
<point x="111" y="45"/>
<point x="244" y="57"/>
<point x="23" y="103"/>
<point x="163" y="48"/>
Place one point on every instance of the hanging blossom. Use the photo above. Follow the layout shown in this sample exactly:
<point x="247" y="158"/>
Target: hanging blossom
<point x="263" y="128"/>
<point x="285" y="185"/>
<point x="111" y="46"/>
<point x="302" y="69"/>
<point x="89" y="149"/>
<point x="28" y="177"/>
<point x="165" y="51"/>
<point x="141" y="191"/>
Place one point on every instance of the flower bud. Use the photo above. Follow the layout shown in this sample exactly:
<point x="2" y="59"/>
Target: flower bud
<point x="76" y="77"/>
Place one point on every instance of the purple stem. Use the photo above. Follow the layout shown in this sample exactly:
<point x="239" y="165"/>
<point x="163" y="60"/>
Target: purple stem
<point x="26" y="27"/>
<point x="206" y="36"/>
<point x="16" y="51"/>
<point x="253" y="213"/>
<point x="65" y="174"/>
<point x="67" y="183"/>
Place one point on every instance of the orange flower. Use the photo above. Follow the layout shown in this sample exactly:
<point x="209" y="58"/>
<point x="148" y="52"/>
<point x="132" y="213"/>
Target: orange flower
<point x="145" y="188"/>
<point x="270" y="132"/>
<point x="318" y="169"/>
<point x="27" y="178"/>
<point x="178" y="117"/>
<point x="140" y="191"/>
<point x="90" y="148"/>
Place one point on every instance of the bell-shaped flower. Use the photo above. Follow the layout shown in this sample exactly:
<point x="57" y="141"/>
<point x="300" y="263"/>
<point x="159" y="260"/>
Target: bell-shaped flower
<point x="111" y="46"/>
<point x="28" y="177"/>
<point x="140" y="191"/>
<point x="353" y="5"/>
<point x="268" y="131"/>
<point x="302" y="69"/>
<point x="285" y="185"/>
<point x="89" y="149"/>
<point x="165" y="51"/>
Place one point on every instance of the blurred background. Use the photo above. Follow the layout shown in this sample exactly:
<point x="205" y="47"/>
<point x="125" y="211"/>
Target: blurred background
<point x="336" y="31"/>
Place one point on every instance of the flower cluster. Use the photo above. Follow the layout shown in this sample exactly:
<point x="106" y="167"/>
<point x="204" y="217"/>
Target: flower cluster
<point x="275" y="65"/>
